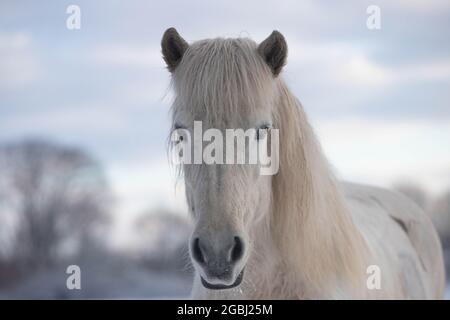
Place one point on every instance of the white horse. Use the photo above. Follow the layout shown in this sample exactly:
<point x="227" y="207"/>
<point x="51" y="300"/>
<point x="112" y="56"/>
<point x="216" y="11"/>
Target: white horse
<point x="300" y="233"/>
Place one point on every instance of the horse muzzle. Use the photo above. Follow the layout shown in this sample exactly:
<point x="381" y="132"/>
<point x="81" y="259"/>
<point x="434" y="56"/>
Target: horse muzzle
<point x="220" y="261"/>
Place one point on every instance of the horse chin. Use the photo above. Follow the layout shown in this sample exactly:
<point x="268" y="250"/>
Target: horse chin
<point x="211" y="286"/>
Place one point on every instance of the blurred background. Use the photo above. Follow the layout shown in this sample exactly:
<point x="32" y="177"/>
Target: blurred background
<point x="84" y="120"/>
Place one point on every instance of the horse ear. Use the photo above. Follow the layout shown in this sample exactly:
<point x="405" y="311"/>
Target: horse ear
<point x="173" y="47"/>
<point x="274" y="51"/>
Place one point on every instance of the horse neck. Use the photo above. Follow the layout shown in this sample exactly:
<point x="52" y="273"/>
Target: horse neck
<point x="310" y="223"/>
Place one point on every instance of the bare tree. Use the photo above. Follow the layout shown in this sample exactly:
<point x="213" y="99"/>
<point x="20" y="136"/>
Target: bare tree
<point x="165" y="235"/>
<point x="52" y="198"/>
<point x="414" y="192"/>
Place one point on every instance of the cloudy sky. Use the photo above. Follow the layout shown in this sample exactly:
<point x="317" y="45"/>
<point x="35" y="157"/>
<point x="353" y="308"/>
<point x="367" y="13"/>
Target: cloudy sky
<point x="379" y="99"/>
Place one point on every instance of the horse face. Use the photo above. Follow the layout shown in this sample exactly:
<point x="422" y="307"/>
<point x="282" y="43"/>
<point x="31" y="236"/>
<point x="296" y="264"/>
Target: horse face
<point x="227" y="196"/>
<point x="226" y="201"/>
<point x="224" y="84"/>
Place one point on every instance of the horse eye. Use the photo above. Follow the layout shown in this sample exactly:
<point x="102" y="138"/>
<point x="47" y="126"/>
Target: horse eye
<point x="261" y="132"/>
<point x="179" y="137"/>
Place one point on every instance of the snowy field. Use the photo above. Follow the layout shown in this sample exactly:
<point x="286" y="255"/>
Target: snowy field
<point x="126" y="282"/>
<point x="109" y="277"/>
<point x="136" y="284"/>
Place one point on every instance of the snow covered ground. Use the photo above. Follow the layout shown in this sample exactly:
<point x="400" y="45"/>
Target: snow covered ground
<point x="103" y="283"/>
<point x="108" y="281"/>
<point x="137" y="284"/>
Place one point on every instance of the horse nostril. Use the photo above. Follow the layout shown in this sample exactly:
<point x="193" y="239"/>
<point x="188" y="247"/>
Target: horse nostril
<point x="238" y="249"/>
<point x="197" y="251"/>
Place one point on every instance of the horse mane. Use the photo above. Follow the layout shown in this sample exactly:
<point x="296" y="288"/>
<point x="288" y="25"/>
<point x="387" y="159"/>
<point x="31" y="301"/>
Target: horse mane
<point x="309" y="213"/>
<point x="222" y="72"/>
<point x="309" y="221"/>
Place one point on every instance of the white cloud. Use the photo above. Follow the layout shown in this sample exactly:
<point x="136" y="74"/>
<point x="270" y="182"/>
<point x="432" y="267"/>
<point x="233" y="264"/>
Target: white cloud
<point x="421" y="6"/>
<point x="339" y="78"/>
<point x="335" y="76"/>
<point x="150" y="84"/>
<point x="436" y="70"/>
<point x="72" y="118"/>
<point x="342" y="65"/>
<point x="382" y="153"/>
<point x="19" y="64"/>
<point x="128" y="55"/>
<point x="359" y="70"/>
<point x="349" y="65"/>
